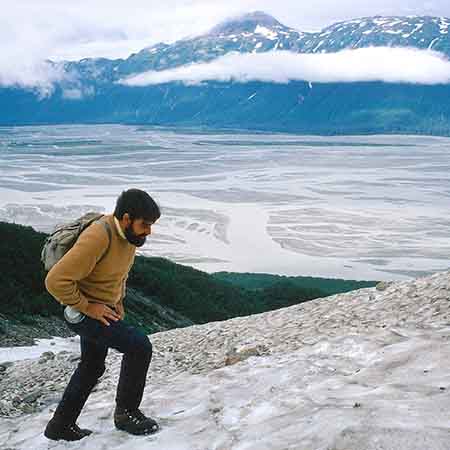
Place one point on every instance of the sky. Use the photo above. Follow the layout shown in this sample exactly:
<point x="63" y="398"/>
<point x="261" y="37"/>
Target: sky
<point x="62" y="29"/>
<point x="33" y="31"/>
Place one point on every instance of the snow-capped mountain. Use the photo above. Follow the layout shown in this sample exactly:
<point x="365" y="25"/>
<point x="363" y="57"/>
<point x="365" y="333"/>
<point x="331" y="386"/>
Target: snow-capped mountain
<point x="92" y="92"/>
<point x="259" y="32"/>
<point x="254" y="32"/>
<point x="395" y="31"/>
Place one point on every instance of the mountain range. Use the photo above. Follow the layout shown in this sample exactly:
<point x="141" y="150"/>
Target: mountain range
<point x="92" y="90"/>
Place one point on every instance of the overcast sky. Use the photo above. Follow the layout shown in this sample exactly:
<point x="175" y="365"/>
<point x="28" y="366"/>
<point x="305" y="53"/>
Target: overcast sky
<point x="34" y="30"/>
<point x="73" y="29"/>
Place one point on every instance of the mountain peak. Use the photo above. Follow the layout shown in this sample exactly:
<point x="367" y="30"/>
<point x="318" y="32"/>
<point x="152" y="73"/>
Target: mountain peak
<point x="246" y="22"/>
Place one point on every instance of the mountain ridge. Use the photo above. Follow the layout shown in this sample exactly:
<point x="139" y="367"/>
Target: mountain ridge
<point x="222" y="39"/>
<point x="92" y="91"/>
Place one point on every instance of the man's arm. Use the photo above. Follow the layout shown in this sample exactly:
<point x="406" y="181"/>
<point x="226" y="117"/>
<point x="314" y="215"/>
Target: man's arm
<point x="62" y="280"/>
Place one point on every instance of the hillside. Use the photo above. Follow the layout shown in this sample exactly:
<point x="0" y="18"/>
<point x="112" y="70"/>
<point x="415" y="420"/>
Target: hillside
<point x="360" y="370"/>
<point x="161" y="294"/>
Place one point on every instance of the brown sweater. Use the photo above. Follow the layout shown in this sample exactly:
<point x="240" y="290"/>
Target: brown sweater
<point x="76" y="279"/>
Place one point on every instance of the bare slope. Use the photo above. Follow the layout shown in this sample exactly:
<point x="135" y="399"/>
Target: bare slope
<point x="362" y="370"/>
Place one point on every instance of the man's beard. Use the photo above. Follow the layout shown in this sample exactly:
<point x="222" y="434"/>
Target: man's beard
<point x="133" y="238"/>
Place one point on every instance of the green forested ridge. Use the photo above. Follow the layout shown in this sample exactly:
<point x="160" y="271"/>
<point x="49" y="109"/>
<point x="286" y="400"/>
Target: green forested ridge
<point x="257" y="281"/>
<point x="161" y="294"/>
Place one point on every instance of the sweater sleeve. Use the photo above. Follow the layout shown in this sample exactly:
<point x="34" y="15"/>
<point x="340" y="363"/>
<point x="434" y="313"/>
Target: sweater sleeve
<point x="62" y="279"/>
<point x="124" y="288"/>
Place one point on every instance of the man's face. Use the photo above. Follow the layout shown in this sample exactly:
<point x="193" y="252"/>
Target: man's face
<point x="137" y="230"/>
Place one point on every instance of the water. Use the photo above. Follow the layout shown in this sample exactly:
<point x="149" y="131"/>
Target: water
<point x="358" y="207"/>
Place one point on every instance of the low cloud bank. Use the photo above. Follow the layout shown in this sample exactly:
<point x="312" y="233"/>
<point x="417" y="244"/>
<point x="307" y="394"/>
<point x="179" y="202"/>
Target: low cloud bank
<point x="391" y="65"/>
<point x="37" y="76"/>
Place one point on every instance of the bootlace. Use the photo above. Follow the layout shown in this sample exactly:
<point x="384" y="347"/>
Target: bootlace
<point x="136" y="416"/>
<point x="76" y="429"/>
<point x="140" y="415"/>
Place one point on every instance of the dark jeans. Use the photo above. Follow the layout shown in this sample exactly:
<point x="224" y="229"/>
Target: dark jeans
<point x="95" y="339"/>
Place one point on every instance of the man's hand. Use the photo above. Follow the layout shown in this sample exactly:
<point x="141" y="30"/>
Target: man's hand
<point x="102" y="312"/>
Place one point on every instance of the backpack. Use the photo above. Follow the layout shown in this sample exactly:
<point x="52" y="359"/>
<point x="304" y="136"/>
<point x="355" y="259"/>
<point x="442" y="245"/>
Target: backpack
<point x="64" y="237"/>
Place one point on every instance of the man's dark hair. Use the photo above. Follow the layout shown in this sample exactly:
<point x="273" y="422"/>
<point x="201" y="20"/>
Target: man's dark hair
<point x="138" y="204"/>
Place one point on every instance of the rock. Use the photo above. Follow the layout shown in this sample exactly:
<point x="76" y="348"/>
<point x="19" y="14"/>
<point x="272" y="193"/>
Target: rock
<point x="383" y="285"/>
<point x="5" y="365"/>
<point x="47" y="356"/>
<point x="237" y="354"/>
<point x="31" y="398"/>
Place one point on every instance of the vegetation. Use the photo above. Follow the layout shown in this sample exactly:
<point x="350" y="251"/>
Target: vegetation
<point x="326" y="286"/>
<point x="161" y="294"/>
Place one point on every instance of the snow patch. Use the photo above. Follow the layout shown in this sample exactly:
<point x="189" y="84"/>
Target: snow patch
<point x="318" y="45"/>
<point x="55" y="345"/>
<point x="380" y="21"/>
<point x="269" y="34"/>
<point x="432" y="43"/>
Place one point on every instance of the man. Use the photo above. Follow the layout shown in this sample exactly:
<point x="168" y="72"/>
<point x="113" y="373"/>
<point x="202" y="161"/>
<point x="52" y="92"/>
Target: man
<point x="90" y="278"/>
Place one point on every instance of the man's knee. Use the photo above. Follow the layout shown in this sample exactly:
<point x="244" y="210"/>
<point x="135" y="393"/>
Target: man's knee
<point x="144" y="347"/>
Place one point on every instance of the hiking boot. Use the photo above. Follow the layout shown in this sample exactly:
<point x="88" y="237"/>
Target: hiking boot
<point x="134" y="422"/>
<point x="67" y="432"/>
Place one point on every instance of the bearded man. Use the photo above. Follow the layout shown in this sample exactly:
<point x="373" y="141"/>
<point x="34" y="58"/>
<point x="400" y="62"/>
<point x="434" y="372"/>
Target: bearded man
<point x="90" y="280"/>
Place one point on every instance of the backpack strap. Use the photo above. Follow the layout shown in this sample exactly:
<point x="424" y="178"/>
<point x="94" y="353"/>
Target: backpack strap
<point x="108" y="230"/>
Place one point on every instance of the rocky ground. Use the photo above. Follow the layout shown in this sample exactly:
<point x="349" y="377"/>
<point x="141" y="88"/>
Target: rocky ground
<point x="386" y="313"/>
<point x="14" y="333"/>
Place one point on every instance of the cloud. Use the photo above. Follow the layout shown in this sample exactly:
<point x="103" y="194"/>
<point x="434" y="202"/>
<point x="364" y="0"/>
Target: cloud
<point x="77" y="93"/>
<point x="392" y="65"/>
<point x="32" y="32"/>
<point x="65" y="29"/>
<point x="38" y="76"/>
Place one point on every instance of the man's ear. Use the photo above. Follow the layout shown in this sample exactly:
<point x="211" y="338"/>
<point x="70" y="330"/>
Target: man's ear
<point x="126" y="219"/>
